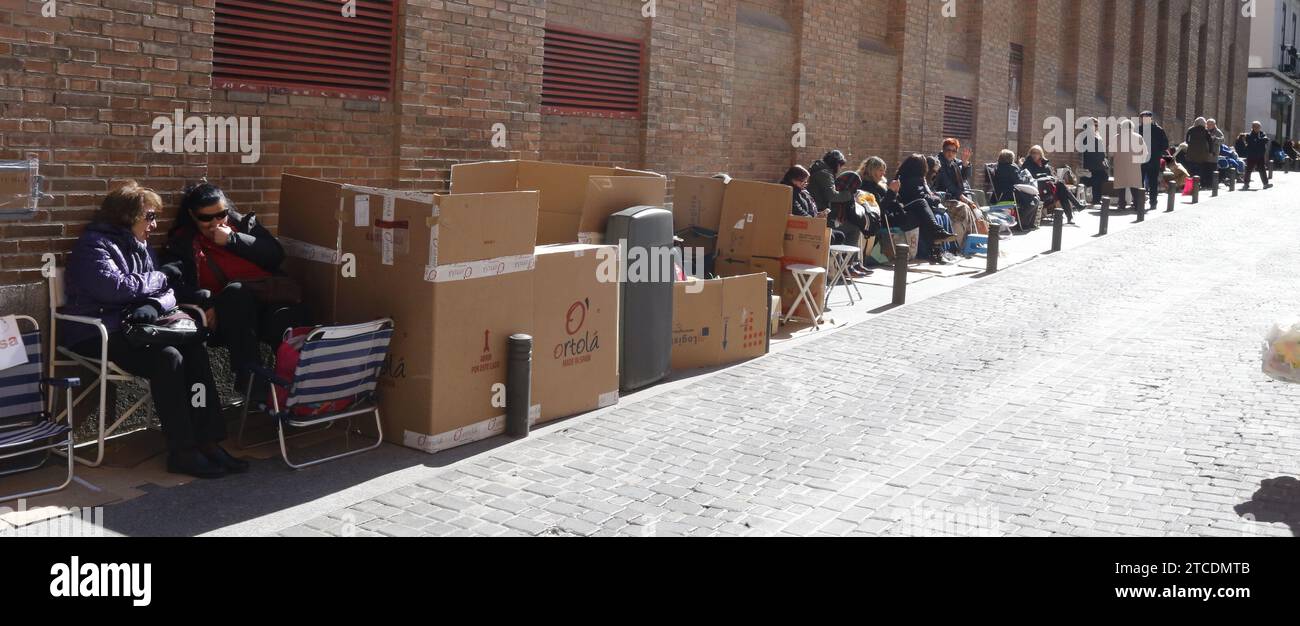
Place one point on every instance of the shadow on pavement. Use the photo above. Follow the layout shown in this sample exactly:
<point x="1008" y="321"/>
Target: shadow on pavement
<point x="1277" y="500"/>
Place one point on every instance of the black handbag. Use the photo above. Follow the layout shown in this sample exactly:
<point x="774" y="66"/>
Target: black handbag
<point x="174" y="328"/>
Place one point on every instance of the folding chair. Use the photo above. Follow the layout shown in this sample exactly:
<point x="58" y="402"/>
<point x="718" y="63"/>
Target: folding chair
<point x="337" y="366"/>
<point x="104" y="370"/>
<point x="27" y="426"/>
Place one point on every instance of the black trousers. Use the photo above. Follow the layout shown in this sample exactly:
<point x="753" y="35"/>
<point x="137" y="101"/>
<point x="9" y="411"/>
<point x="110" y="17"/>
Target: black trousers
<point x="243" y="321"/>
<point x="190" y="415"/>
<point x="1151" y="176"/>
<point x="1258" y="165"/>
<point x="1098" y="183"/>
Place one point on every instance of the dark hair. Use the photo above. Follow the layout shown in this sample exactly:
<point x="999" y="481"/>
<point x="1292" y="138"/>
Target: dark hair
<point x="196" y="197"/>
<point x="127" y="204"/>
<point x="834" y="158"/>
<point x="797" y="172"/>
<point x="913" y="166"/>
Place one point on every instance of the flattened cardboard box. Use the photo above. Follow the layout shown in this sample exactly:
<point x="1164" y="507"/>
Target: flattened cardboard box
<point x="720" y="321"/>
<point x="753" y="219"/>
<point x="575" y="330"/>
<point x="807" y="242"/>
<point x="575" y="201"/>
<point x="455" y="275"/>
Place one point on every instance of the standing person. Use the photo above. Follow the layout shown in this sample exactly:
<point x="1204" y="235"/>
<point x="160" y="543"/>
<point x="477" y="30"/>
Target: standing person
<point x="822" y="184"/>
<point x="1127" y="159"/>
<point x="1257" y="155"/>
<point x="1198" y="154"/>
<point x="112" y="275"/>
<point x="217" y="249"/>
<point x="1216" y="147"/>
<point x="803" y="204"/>
<point x="1152" y="168"/>
<point x="1094" y="160"/>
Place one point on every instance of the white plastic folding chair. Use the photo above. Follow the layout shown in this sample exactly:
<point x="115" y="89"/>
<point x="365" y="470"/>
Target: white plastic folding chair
<point x="337" y="366"/>
<point x="841" y="257"/>
<point x="804" y="277"/>
<point x="27" y="424"/>
<point x="104" y="371"/>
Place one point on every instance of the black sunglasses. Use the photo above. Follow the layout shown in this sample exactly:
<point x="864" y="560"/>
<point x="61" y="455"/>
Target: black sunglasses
<point x="208" y="217"/>
<point x="151" y="216"/>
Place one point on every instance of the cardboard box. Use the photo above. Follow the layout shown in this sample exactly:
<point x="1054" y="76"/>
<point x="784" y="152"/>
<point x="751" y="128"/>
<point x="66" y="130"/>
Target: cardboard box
<point x="575" y="200"/>
<point x="455" y="273"/>
<point x="753" y="220"/>
<point x="697" y="201"/>
<point x="575" y="331"/>
<point x="727" y="267"/>
<point x="808" y="242"/>
<point x="720" y="321"/>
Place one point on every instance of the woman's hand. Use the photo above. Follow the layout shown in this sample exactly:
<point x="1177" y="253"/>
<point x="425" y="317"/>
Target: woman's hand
<point x="824" y="213"/>
<point x="966" y="154"/>
<point x="211" y="316"/>
<point x="221" y="234"/>
<point x="895" y="185"/>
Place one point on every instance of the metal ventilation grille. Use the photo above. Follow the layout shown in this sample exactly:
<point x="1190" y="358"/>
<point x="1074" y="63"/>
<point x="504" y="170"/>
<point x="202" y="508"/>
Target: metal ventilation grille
<point x="307" y="45"/>
<point x="591" y="74"/>
<point x="958" y="117"/>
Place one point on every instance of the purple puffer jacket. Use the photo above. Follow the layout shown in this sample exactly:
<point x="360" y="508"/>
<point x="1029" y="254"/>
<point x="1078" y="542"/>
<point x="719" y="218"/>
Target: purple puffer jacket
<point x="109" y="273"/>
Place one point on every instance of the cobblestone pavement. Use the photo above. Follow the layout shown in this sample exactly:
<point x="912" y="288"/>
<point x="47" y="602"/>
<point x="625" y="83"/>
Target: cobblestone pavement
<point x="1110" y="390"/>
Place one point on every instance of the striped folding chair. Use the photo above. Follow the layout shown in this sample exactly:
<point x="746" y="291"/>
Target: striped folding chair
<point x="28" y="429"/>
<point x="335" y="379"/>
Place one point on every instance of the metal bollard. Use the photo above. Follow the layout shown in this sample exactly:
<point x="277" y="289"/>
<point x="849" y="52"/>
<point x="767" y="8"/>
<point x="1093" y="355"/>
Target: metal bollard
<point x="1196" y="189"/>
<point x="1214" y="184"/>
<point x="901" y="252"/>
<point x="1169" y="206"/>
<point x="1140" y="202"/>
<point x="519" y="391"/>
<point x="991" y="263"/>
<point x="1232" y="181"/>
<point x="1105" y="217"/>
<point x="1058" y="228"/>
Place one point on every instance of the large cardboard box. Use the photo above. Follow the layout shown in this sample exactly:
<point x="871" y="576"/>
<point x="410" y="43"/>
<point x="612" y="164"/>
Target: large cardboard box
<point x="455" y="273"/>
<point x="727" y="267"/>
<point x="753" y="220"/>
<point x="807" y="242"/>
<point x="575" y="330"/>
<point x="720" y="321"/>
<point x="575" y="200"/>
<point x="697" y="201"/>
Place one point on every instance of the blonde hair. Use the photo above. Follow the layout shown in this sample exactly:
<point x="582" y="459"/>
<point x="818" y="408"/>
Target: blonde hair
<point x="871" y="163"/>
<point x="1006" y="156"/>
<point x="1032" y="149"/>
<point x="127" y="204"/>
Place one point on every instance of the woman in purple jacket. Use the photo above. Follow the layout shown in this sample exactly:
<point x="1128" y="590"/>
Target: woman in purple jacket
<point x="112" y="275"/>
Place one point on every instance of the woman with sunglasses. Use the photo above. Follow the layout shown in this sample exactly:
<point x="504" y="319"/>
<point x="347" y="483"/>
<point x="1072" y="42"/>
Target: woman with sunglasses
<point x="217" y="249"/>
<point x="112" y="275"/>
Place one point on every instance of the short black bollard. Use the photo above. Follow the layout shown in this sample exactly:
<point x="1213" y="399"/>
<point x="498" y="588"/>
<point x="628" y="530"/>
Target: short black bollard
<point x="1214" y="184"/>
<point x="1232" y="181"/>
<point x="1058" y="228"/>
<point x="1196" y="189"/>
<point x="1105" y="216"/>
<point x="1169" y="206"/>
<point x="519" y="391"/>
<point x="901" y="252"/>
<point x="1140" y="205"/>
<point x="991" y="263"/>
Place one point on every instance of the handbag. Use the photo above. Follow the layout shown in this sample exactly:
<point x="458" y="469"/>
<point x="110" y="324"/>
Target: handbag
<point x="173" y="328"/>
<point x="275" y="289"/>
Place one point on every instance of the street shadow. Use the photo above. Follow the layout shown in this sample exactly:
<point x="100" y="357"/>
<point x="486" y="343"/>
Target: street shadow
<point x="1277" y="500"/>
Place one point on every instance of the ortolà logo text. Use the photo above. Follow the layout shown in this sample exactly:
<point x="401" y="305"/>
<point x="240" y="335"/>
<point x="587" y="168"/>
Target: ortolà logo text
<point x="102" y="580"/>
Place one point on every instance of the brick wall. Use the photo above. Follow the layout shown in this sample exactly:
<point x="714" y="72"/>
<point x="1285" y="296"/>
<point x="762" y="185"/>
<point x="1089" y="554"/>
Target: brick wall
<point x="724" y="80"/>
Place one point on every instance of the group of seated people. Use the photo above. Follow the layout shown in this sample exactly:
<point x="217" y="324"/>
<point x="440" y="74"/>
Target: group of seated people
<point x="212" y="257"/>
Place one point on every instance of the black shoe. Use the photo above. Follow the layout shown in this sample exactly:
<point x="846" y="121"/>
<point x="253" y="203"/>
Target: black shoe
<point x="936" y="258"/>
<point x="218" y="456"/>
<point x="193" y="463"/>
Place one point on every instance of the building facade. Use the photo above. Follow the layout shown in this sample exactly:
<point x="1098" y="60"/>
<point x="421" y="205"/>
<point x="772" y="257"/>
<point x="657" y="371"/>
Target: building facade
<point x="1274" y="68"/>
<point x="747" y="87"/>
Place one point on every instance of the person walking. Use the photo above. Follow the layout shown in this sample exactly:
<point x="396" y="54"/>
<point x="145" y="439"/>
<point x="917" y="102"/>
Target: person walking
<point x="1127" y="158"/>
<point x="1198" y="152"/>
<point x="1094" y="160"/>
<point x="1216" y="148"/>
<point x="1155" y="151"/>
<point x="1257" y="155"/>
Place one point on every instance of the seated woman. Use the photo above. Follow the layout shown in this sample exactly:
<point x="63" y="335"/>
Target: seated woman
<point x="217" y="249"/>
<point x="1041" y="169"/>
<point x="803" y="204"/>
<point x="943" y="213"/>
<point x="1009" y="182"/>
<point x="112" y="275"/>
<point x="921" y="206"/>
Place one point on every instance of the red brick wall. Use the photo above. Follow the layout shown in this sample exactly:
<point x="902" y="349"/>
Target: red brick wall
<point x="765" y="91"/>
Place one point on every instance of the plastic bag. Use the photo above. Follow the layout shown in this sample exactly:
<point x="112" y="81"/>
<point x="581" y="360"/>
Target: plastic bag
<point x="1282" y="351"/>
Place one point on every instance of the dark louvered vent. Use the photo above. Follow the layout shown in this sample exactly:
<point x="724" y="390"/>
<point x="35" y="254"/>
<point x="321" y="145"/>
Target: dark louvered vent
<point x="591" y="74"/>
<point x="958" y="117"/>
<point x="305" y="45"/>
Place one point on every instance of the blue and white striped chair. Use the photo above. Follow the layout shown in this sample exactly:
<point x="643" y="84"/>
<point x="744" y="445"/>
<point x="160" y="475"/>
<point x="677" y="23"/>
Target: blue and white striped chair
<point x="335" y="363"/>
<point x="27" y="425"/>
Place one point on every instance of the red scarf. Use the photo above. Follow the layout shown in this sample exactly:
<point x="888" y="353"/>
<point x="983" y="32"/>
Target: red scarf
<point x="235" y="267"/>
